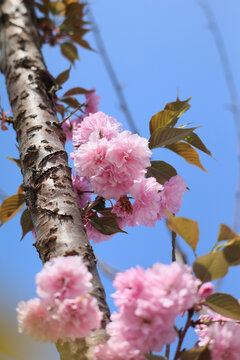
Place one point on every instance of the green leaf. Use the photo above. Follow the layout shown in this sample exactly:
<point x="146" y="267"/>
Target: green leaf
<point x="210" y="266"/>
<point x="26" y="223"/>
<point x="201" y="353"/>
<point x="179" y="106"/>
<point x="11" y="206"/>
<point x="187" y="152"/>
<point x="74" y="9"/>
<point x="107" y="225"/>
<point x="215" y="264"/>
<point x="83" y="43"/>
<point x="162" y="118"/>
<point x="57" y="8"/>
<point x="232" y="254"/>
<point x="71" y="101"/>
<point x="194" y="140"/>
<point x="69" y="50"/>
<point x="63" y="76"/>
<point x="224" y="304"/>
<point x="16" y="161"/>
<point x="161" y="171"/>
<point x="169" y="116"/>
<point x="77" y="91"/>
<point x="78" y="35"/>
<point x="225" y="233"/>
<point x="186" y="228"/>
<point x="165" y="135"/>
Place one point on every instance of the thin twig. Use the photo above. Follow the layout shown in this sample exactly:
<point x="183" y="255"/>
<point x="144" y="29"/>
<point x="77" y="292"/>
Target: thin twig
<point x="182" y="333"/>
<point x="174" y="235"/>
<point x="167" y="352"/>
<point x="232" y="92"/>
<point x="71" y="113"/>
<point x="111" y="72"/>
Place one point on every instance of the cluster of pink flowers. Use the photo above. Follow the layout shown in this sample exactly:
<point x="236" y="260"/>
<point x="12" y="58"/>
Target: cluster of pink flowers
<point x="92" y="101"/>
<point x="149" y="302"/>
<point x="221" y="334"/>
<point x="65" y="310"/>
<point x="114" y="163"/>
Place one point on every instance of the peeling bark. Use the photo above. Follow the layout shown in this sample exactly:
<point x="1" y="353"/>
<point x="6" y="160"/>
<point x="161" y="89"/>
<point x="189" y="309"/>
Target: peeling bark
<point x="47" y="177"/>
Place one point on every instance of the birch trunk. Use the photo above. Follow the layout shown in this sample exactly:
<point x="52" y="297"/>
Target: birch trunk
<point x="44" y="163"/>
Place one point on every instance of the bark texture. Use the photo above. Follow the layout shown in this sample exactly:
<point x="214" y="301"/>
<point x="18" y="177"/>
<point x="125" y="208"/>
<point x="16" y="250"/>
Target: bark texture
<point x="47" y="177"/>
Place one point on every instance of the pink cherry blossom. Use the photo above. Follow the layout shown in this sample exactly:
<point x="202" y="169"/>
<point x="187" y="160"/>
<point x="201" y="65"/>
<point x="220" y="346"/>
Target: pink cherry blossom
<point x="111" y="182"/>
<point x="126" y="159"/>
<point x="149" y="302"/>
<point x="224" y="343"/>
<point x="66" y="310"/>
<point x="131" y="153"/>
<point x="206" y="321"/>
<point x="92" y="102"/>
<point x="95" y="125"/>
<point x="171" y="196"/>
<point x="221" y="333"/>
<point x="90" y="158"/>
<point x="117" y="348"/>
<point x="205" y="290"/>
<point x="78" y="317"/>
<point x="35" y="318"/>
<point x="123" y="209"/>
<point x="69" y="125"/>
<point x="146" y="192"/>
<point x="129" y="286"/>
<point x="63" y="277"/>
<point x="80" y="185"/>
<point x="173" y="286"/>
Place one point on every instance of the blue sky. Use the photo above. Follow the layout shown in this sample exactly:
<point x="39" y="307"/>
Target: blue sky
<point x="157" y="48"/>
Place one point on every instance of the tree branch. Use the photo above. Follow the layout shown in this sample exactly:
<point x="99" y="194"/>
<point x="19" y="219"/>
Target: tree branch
<point x="46" y="175"/>
<point x="111" y="72"/>
<point x="229" y="77"/>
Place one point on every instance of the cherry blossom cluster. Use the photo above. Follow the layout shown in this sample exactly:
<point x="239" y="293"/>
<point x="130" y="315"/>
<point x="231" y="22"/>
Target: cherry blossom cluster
<point x="221" y="334"/>
<point x="112" y="163"/>
<point x="92" y="101"/>
<point x="65" y="310"/>
<point x="149" y="302"/>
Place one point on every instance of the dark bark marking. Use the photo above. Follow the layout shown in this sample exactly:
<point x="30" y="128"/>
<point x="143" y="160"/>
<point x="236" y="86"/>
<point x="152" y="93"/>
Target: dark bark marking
<point x="24" y="95"/>
<point x="26" y="63"/>
<point x="33" y="128"/>
<point x="52" y="156"/>
<point x="54" y="214"/>
<point x="53" y="230"/>
<point x="19" y="118"/>
<point x="42" y="106"/>
<point x="49" y="172"/>
<point x="58" y="125"/>
<point x="51" y="112"/>
<point x="13" y="101"/>
<point x="14" y="76"/>
<point x="48" y="148"/>
<point x="33" y="116"/>
<point x="30" y="157"/>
